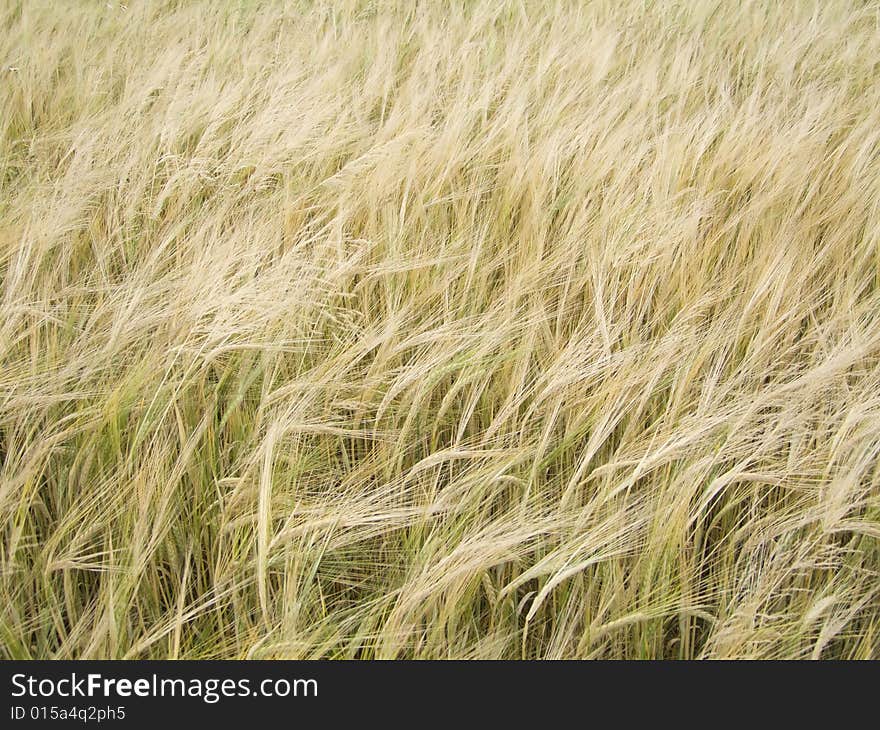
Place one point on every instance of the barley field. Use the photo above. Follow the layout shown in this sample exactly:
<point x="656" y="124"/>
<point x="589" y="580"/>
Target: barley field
<point x="452" y="329"/>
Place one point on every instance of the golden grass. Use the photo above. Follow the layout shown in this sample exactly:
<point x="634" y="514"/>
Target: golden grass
<point x="462" y="329"/>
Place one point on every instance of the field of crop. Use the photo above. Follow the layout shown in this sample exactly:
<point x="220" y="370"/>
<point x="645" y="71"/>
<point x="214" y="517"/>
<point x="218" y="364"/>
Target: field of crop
<point x="440" y="330"/>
